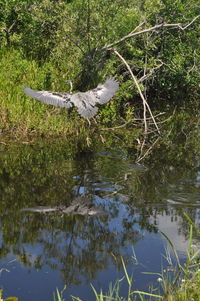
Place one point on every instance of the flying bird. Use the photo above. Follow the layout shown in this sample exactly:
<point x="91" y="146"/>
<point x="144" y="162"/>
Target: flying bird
<point x="84" y="101"/>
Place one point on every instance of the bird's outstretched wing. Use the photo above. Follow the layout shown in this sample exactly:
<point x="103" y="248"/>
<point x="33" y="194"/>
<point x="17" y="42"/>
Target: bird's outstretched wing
<point x="53" y="98"/>
<point x="84" y="101"/>
<point x="104" y="92"/>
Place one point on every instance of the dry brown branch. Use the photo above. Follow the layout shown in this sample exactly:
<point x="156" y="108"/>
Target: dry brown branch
<point x="154" y="28"/>
<point x="137" y="85"/>
<point x="145" y="104"/>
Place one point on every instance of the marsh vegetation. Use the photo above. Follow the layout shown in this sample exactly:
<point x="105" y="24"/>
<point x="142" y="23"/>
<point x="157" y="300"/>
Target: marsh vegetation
<point x="138" y="160"/>
<point x="151" y="47"/>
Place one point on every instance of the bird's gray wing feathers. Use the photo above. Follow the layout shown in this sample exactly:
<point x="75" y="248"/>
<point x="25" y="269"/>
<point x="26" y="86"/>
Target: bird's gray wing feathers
<point x="52" y="98"/>
<point x="104" y="92"/>
<point x="85" y="102"/>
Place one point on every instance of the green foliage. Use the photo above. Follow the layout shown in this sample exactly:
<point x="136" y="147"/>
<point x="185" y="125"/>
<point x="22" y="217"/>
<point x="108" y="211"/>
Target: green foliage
<point x="45" y="42"/>
<point x="178" y="50"/>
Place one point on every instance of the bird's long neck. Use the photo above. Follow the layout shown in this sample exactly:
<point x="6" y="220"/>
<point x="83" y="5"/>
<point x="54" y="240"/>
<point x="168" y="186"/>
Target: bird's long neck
<point x="71" y="87"/>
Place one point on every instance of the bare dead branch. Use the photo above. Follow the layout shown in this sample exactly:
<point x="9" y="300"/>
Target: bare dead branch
<point x="137" y="85"/>
<point x="145" y="104"/>
<point x="154" y="28"/>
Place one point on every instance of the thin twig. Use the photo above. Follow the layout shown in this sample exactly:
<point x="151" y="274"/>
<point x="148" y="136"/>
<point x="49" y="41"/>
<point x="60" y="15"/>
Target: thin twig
<point x="146" y="153"/>
<point x="11" y="26"/>
<point x="134" y="30"/>
<point x="135" y="119"/>
<point x="72" y="40"/>
<point x="143" y="144"/>
<point x="116" y="127"/>
<point x="183" y="28"/>
<point x="139" y="119"/>
<point x="146" y="76"/>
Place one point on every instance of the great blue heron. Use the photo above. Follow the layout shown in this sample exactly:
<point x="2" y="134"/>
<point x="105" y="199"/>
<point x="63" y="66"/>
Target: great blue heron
<point x="84" y="101"/>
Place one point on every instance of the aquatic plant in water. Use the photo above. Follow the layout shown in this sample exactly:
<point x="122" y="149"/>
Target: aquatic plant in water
<point x="7" y="299"/>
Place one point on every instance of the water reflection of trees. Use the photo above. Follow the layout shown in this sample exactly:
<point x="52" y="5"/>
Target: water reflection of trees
<point x="77" y="246"/>
<point x="81" y="246"/>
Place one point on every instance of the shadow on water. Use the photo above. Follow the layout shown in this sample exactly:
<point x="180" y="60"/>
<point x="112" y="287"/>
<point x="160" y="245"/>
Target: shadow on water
<point x="45" y="250"/>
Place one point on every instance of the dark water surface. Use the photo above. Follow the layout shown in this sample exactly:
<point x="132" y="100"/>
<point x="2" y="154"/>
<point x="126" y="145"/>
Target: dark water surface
<point x="42" y="251"/>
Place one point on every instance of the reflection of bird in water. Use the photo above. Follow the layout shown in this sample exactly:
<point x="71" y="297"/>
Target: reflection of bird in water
<point x="84" y="101"/>
<point x="81" y="205"/>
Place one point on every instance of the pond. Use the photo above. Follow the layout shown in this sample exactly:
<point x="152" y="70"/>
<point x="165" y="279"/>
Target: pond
<point x="128" y="206"/>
